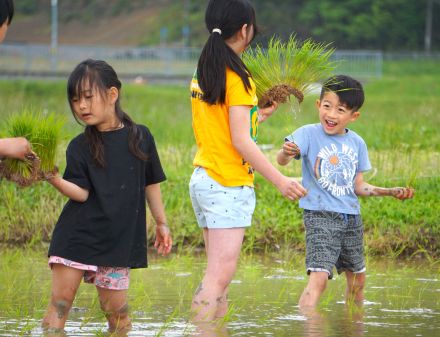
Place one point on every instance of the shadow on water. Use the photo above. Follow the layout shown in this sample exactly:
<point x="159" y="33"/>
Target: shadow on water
<point x="402" y="299"/>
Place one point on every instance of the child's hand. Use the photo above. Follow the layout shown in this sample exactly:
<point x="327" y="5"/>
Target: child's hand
<point x="266" y="112"/>
<point x="402" y="193"/>
<point x="49" y="176"/>
<point x="290" y="149"/>
<point x="291" y="189"/>
<point x="164" y="242"/>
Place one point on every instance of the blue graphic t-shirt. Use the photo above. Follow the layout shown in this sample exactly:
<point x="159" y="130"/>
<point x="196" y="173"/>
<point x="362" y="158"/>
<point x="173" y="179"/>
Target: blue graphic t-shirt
<point x="329" y="166"/>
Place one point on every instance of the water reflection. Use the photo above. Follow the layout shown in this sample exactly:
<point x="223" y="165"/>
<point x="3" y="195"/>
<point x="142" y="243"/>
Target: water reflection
<point x="265" y="292"/>
<point x="210" y="329"/>
<point x="319" y="324"/>
<point x="314" y="324"/>
<point x="54" y="333"/>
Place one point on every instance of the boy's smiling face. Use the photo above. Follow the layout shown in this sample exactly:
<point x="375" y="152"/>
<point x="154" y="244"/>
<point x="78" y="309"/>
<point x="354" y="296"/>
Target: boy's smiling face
<point x="334" y="115"/>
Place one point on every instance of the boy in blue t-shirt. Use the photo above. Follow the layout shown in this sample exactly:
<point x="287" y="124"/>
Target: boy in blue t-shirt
<point x="333" y="161"/>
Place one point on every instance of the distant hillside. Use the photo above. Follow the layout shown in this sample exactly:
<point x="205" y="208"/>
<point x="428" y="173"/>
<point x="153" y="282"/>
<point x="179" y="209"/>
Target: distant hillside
<point x="389" y="25"/>
<point x="112" y="22"/>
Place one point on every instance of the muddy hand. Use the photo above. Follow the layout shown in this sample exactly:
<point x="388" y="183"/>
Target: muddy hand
<point x="51" y="174"/>
<point x="291" y="149"/>
<point x="31" y="156"/>
<point x="402" y="193"/>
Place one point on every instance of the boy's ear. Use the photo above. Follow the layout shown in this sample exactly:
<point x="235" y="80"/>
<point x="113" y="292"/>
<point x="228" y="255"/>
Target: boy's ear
<point x="355" y="115"/>
<point x="318" y="103"/>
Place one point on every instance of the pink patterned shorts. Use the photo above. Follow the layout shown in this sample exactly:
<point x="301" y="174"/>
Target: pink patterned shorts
<point x="115" y="278"/>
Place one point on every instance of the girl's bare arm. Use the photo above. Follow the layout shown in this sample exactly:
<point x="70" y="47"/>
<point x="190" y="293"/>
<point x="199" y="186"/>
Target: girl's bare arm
<point x="239" y="121"/>
<point x="362" y="188"/>
<point x="163" y="242"/>
<point x="69" y="189"/>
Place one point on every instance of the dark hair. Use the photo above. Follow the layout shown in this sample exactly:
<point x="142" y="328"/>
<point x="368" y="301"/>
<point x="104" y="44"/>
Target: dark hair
<point x="229" y="16"/>
<point x="349" y="90"/>
<point x="6" y="11"/>
<point x="99" y="75"/>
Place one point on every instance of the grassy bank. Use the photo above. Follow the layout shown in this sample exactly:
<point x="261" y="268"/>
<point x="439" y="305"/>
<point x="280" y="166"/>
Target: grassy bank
<point x="399" y="123"/>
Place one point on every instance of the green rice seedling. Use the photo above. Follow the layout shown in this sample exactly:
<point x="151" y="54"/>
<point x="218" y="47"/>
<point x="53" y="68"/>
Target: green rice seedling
<point x="46" y="140"/>
<point x="21" y="172"/>
<point x="290" y="68"/>
<point x="43" y="132"/>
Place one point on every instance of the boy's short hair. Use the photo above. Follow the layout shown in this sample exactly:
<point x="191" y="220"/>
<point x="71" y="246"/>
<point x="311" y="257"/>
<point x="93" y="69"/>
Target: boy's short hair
<point x="349" y="91"/>
<point x="6" y="11"/>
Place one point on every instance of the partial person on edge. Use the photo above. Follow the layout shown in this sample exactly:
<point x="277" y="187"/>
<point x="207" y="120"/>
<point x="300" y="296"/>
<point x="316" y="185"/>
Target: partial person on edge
<point x="17" y="147"/>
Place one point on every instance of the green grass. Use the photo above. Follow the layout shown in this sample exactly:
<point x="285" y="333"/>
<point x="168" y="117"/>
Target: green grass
<point x="399" y="122"/>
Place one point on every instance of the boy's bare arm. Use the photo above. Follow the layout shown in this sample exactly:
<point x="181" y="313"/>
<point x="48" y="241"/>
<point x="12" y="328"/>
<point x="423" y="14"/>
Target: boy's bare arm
<point x="289" y="151"/>
<point x="364" y="189"/>
<point x="69" y="189"/>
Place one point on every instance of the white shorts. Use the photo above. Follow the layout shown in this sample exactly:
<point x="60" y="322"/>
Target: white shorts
<point x="218" y="206"/>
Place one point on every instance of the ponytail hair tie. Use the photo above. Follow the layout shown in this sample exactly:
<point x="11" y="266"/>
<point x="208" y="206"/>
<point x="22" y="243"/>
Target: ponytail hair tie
<point x="217" y="30"/>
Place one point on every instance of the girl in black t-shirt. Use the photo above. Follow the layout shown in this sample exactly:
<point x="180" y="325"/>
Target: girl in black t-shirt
<point x="112" y="167"/>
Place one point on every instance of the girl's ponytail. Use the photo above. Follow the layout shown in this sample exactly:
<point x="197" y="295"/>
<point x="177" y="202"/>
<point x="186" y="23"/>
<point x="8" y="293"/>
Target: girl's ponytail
<point x="223" y="19"/>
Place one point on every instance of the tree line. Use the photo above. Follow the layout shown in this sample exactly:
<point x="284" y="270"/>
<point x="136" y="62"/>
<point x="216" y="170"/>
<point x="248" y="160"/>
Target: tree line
<point x="389" y="25"/>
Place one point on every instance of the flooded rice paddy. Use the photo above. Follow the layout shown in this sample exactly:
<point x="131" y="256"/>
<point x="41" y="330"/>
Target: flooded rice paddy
<point x="402" y="299"/>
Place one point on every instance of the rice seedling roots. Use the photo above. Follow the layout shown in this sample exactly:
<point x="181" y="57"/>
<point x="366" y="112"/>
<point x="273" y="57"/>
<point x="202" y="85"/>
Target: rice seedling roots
<point x="280" y="94"/>
<point x="20" y="180"/>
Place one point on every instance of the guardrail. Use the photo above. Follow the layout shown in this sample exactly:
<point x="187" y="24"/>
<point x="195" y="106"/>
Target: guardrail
<point x="166" y="63"/>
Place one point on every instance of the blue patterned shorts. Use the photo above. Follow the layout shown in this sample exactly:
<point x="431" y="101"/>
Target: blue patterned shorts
<point x="334" y="240"/>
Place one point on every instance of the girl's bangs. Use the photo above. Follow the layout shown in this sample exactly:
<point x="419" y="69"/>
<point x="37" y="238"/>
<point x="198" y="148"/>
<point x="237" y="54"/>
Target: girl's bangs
<point x="80" y="80"/>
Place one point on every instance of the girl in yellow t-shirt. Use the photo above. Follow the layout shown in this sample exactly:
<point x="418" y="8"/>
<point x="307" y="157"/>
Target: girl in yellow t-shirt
<point x="225" y="123"/>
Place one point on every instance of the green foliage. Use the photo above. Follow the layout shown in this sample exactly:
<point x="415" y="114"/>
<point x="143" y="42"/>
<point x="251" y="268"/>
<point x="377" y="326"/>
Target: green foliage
<point x="399" y="123"/>
<point x="353" y="24"/>
<point x="26" y="6"/>
<point x="366" y="24"/>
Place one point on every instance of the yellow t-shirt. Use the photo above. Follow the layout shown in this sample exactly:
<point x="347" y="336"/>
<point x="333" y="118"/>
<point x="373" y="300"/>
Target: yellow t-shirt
<point x="215" y="151"/>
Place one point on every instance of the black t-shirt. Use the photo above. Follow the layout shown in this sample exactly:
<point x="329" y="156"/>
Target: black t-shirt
<point x="109" y="228"/>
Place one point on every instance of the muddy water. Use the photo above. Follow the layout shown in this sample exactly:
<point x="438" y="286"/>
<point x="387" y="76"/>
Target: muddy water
<point x="402" y="299"/>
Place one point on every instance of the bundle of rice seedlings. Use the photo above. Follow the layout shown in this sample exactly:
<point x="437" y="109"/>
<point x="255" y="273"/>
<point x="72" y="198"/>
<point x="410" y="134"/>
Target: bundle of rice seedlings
<point x="43" y="133"/>
<point x="45" y="142"/>
<point x="290" y="68"/>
